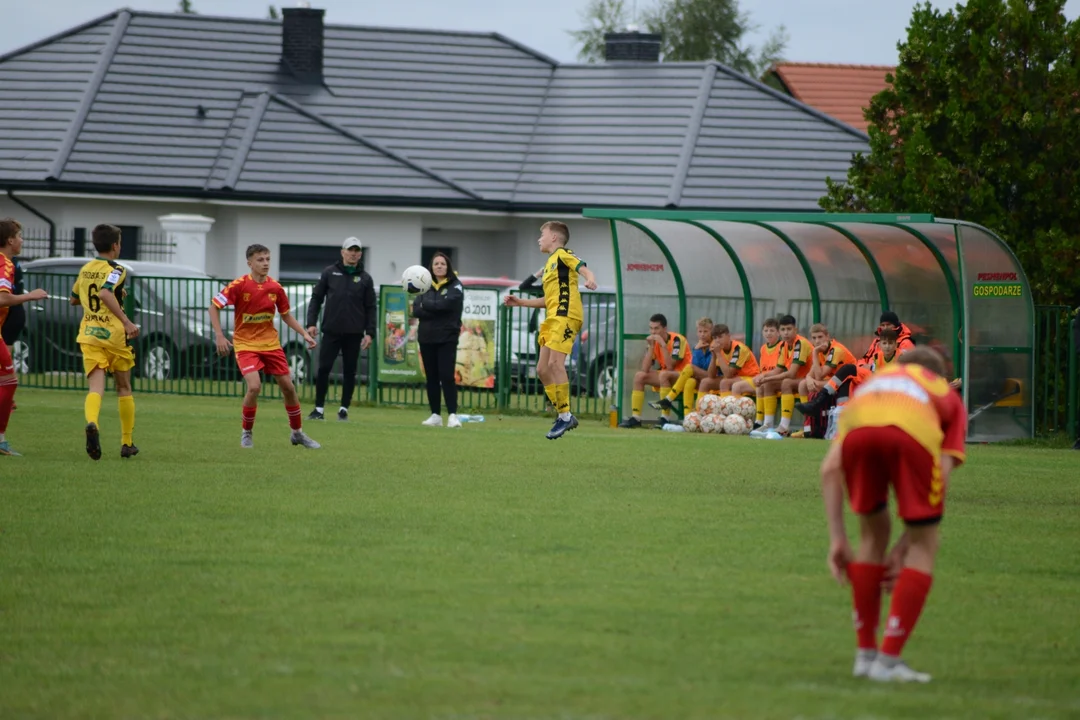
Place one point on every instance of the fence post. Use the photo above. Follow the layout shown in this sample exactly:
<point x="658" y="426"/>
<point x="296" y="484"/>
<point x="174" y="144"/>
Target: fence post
<point x="1072" y="383"/>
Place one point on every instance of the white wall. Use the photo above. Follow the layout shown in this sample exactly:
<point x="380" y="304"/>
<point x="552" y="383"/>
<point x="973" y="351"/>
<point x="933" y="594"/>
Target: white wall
<point x="589" y="239"/>
<point x="484" y="253"/>
<point x="391" y="240"/>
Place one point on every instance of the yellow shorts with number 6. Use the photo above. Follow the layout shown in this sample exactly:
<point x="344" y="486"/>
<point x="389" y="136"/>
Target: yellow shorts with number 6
<point x="557" y="333"/>
<point x="109" y="359"/>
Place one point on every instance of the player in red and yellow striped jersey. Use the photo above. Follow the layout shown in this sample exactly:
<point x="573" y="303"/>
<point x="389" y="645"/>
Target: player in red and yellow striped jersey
<point x="794" y="364"/>
<point x="10" y="245"/>
<point x="732" y="361"/>
<point x="664" y="351"/>
<point x="256" y="297"/>
<point x="767" y="358"/>
<point x="905" y="429"/>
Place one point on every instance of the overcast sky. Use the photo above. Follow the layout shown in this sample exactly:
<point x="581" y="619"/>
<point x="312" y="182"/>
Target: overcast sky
<point x="844" y="31"/>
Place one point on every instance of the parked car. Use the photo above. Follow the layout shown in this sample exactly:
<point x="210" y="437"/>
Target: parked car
<point x="169" y="303"/>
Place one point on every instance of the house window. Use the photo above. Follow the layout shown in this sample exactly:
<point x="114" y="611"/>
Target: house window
<point x="428" y="251"/>
<point x="130" y="235"/>
<point x="305" y="263"/>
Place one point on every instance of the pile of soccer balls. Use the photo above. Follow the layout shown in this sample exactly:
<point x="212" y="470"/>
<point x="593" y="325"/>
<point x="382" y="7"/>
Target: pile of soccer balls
<point x="715" y="414"/>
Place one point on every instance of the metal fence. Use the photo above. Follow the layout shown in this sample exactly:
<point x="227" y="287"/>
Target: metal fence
<point x="175" y="354"/>
<point x="137" y="244"/>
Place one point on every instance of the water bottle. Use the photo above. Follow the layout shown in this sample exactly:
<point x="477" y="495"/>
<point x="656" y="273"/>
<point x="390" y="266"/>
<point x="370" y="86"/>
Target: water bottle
<point x="470" y="418"/>
<point x="673" y="427"/>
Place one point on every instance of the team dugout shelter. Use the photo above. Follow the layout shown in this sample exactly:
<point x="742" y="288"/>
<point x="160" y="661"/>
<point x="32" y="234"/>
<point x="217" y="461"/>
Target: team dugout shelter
<point x="955" y="285"/>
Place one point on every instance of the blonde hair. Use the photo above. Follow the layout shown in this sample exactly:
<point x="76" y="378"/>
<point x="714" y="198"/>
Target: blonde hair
<point x="819" y="328"/>
<point x="705" y="322"/>
<point x="558" y="229"/>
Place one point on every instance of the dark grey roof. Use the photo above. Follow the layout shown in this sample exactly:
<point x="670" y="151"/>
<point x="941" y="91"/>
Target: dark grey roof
<point x="145" y="102"/>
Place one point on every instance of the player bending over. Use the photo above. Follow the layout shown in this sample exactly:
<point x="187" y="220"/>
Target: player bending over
<point x="255" y="297"/>
<point x="904" y="429"/>
<point x="565" y="314"/>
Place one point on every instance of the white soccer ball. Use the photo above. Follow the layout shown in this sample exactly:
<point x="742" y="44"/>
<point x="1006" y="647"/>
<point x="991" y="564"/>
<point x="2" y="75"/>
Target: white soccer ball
<point x="729" y="405"/>
<point x="692" y="422"/>
<point x="709" y="405"/>
<point x="747" y="408"/>
<point x="416" y="280"/>
<point x="712" y="423"/>
<point x="736" y="425"/>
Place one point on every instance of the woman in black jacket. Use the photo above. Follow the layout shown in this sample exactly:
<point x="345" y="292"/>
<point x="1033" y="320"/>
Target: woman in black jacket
<point x="439" y="312"/>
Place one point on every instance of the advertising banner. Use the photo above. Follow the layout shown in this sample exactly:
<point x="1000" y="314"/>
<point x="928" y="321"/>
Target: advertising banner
<point x="476" y="344"/>
<point x="400" y="361"/>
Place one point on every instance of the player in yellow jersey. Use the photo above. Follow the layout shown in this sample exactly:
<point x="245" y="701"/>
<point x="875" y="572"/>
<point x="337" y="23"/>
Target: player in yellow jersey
<point x="565" y="314"/>
<point x="794" y="364"/>
<point x="829" y="354"/>
<point x="103" y="338"/>
<point x="768" y="356"/>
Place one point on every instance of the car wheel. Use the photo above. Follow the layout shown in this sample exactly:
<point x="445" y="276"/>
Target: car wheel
<point x="20" y="357"/>
<point x="603" y="378"/>
<point x="299" y="363"/>
<point x="158" y="360"/>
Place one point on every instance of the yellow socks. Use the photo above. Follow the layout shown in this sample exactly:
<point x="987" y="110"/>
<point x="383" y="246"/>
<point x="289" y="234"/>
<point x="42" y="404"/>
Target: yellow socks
<point x="804" y="398"/>
<point x="760" y="402"/>
<point x="685" y="376"/>
<point x="787" y="405"/>
<point x="92" y="407"/>
<point x="126" y="404"/>
<point x="549" y="390"/>
<point x="562" y="398"/>
<point x="637" y="402"/>
<point x="689" y="392"/>
<point x="770" y="409"/>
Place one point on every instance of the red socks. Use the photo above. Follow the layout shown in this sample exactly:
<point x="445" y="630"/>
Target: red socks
<point x="908" y="599"/>
<point x="249" y="416"/>
<point x="295" y="421"/>
<point x="7" y="401"/>
<point x="866" y="596"/>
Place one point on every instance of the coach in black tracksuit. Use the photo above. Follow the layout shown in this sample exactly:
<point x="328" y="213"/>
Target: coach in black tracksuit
<point x="348" y="325"/>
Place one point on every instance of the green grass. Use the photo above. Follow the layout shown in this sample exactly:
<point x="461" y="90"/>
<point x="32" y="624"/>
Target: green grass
<point x="410" y="572"/>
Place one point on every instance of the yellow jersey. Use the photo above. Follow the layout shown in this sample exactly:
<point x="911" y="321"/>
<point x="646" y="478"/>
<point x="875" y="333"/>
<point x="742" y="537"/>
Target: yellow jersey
<point x="99" y="326"/>
<point x="561" y="295"/>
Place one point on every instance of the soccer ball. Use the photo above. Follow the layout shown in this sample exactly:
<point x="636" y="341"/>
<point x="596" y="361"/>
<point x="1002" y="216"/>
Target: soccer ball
<point x="692" y="422"/>
<point x="736" y="425"/>
<point x="416" y="280"/>
<point x="712" y="423"/>
<point x="747" y="408"/>
<point x="728" y="405"/>
<point x="709" y="405"/>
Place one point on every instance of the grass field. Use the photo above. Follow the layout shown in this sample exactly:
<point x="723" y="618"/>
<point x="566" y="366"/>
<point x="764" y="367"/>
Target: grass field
<point x="411" y="572"/>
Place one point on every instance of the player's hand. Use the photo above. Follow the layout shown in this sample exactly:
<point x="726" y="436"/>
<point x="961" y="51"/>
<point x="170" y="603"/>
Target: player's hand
<point x="812" y="385"/>
<point x="311" y="343"/>
<point x="38" y="294"/>
<point x="590" y="284"/>
<point x="894" y="563"/>
<point x="956" y="384"/>
<point x="839" y="557"/>
<point x="131" y="330"/>
<point x="759" y="378"/>
<point x="365" y="343"/>
<point x="312" y="331"/>
<point x="222" y="344"/>
<point x="512" y="301"/>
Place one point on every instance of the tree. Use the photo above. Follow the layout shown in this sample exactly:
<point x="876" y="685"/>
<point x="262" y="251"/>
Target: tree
<point x="692" y="30"/>
<point x="185" y="8"/>
<point x="980" y="123"/>
<point x="273" y="13"/>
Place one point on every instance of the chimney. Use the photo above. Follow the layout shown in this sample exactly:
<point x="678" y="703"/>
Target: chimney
<point x="632" y="46"/>
<point x="302" y="42"/>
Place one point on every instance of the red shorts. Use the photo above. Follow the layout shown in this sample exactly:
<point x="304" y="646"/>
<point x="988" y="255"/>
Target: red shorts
<point x="876" y="457"/>
<point x="271" y="362"/>
<point x="7" y="366"/>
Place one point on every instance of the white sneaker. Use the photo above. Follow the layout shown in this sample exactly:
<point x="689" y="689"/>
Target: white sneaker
<point x="452" y="421"/>
<point x="774" y="435"/>
<point x="893" y="669"/>
<point x="863" y="660"/>
<point x="299" y="438"/>
<point x="433" y="421"/>
<point x="760" y="432"/>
